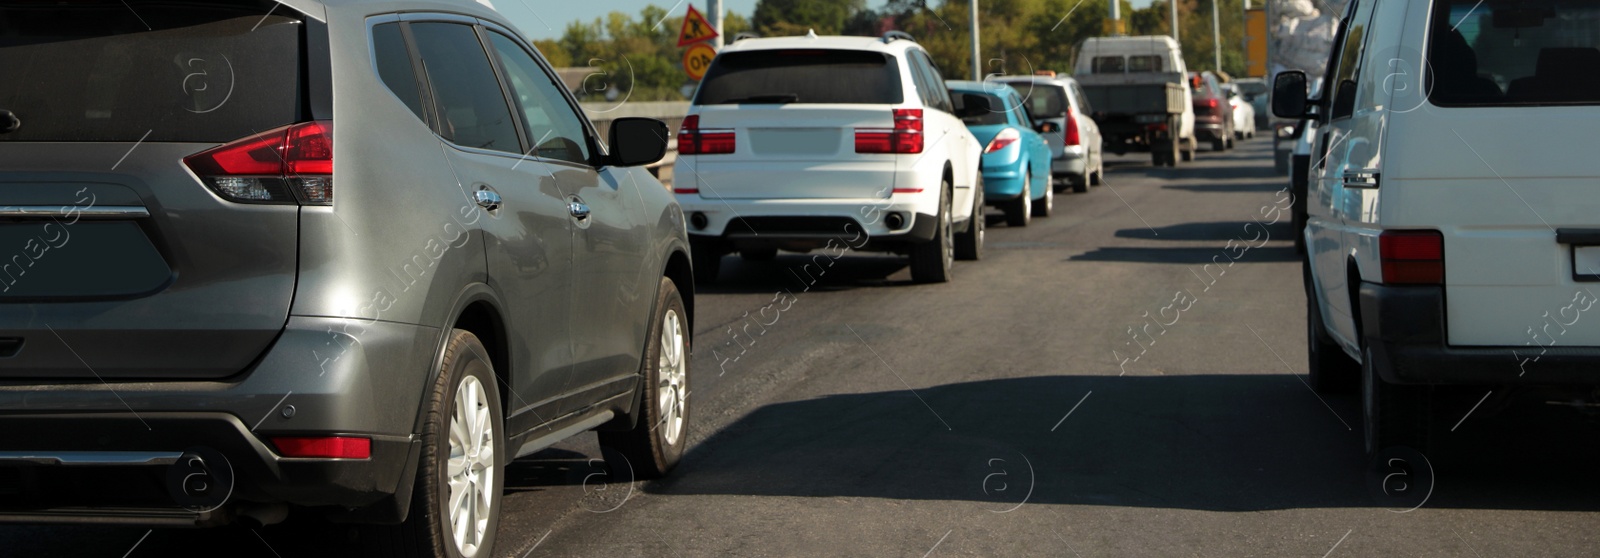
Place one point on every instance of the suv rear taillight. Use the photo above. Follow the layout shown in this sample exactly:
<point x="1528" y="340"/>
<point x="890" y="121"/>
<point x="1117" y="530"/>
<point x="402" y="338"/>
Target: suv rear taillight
<point x="287" y="165"/>
<point x="694" y="141"/>
<point x="1412" y="257"/>
<point x="905" y="137"/>
<point x="1072" y="130"/>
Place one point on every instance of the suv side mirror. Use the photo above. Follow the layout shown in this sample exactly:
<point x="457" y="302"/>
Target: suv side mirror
<point x="1289" y="95"/>
<point x="637" y="141"/>
<point x="971" y="104"/>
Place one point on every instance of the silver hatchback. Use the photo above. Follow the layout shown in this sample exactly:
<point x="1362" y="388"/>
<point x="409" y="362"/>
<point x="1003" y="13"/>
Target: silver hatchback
<point x="331" y="256"/>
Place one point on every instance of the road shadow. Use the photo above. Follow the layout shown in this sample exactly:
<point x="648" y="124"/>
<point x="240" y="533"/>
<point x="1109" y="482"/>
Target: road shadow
<point x="1208" y="442"/>
<point x="1262" y="187"/>
<point x="1215" y="231"/>
<point x="1186" y="256"/>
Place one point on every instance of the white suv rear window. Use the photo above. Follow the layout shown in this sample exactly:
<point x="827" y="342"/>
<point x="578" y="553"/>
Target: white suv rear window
<point x="817" y="76"/>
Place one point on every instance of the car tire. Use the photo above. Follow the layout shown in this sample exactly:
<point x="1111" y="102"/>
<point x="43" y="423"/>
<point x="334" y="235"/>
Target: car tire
<point x="1047" y="205"/>
<point x="1080" y="185"/>
<point x="969" y="243"/>
<point x="1099" y="176"/>
<point x="1393" y="415"/>
<point x="1330" y="370"/>
<point x="1019" y="212"/>
<point x="707" y="264"/>
<point x="1219" y="144"/>
<point x="464" y="390"/>
<point x="660" y="433"/>
<point x="758" y="254"/>
<point x="931" y="260"/>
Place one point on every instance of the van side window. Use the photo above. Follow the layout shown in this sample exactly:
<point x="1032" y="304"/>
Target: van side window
<point x="1537" y="52"/>
<point x="1350" y="56"/>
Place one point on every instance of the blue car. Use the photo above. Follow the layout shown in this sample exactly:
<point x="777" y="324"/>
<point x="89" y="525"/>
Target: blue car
<point x="1016" y="159"/>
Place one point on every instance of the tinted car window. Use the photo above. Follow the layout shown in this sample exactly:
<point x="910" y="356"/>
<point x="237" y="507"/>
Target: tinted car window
<point x="996" y="114"/>
<point x="1044" y="101"/>
<point x="1109" y="64"/>
<point x="919" y="78"/>
<point x="551" y="125"/>
<point x="472" y="109"/>
<point x="394" y="66"/>
<point x="1144" y="64"/>
<point x="941" y="96"/>
<point x="802" y="76"/>
<point x="92" y="71"/>
<point x="1536" y="52"/>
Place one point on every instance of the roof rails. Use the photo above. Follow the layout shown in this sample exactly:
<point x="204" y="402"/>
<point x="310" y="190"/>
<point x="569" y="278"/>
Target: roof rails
<point x="745" y="35"/>
<point x="893" y="36"/>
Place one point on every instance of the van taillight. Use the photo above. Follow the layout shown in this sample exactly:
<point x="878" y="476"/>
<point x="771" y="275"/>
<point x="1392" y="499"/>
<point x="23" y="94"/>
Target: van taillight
<point x="905" y="137"/>
<point x="694" y="141"/>
<point x="1072" y="130"/>
<point x="1412" y="257"/>
<point x="287" y="165"/>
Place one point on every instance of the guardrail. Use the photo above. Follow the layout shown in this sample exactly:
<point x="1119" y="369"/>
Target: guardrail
<point x="671" y="112"/>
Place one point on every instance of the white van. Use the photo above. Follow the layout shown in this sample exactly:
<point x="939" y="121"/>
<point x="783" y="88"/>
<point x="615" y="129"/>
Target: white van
<point x="1452" y="230"/>
<point x="1107" y="67"/>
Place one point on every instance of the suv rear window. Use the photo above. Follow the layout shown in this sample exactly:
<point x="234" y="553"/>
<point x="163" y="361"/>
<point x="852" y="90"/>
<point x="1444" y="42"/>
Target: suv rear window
<point x="1530" y="52"/>
<point x="1042" y="100"/>
<point x="802" y="76"/>
<point x="115" y="71"/>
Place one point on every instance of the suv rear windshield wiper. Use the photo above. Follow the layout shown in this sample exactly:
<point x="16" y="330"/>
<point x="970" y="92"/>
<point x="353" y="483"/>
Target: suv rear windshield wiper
<point x="782" y="99"/>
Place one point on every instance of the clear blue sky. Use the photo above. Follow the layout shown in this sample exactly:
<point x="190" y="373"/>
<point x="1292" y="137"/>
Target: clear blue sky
<point x="546" y="19"/>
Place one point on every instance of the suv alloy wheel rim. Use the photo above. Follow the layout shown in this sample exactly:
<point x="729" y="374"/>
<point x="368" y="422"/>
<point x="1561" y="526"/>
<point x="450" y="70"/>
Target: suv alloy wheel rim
<point x="673" y="378"/>
<point x="470" y="471"/>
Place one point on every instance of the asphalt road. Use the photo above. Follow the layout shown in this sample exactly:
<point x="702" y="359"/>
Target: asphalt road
<point x="1098" y="385"/>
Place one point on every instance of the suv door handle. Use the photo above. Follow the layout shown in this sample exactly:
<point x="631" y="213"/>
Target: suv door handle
<point x="578" y="209"/>
<point x="487" y="198"/>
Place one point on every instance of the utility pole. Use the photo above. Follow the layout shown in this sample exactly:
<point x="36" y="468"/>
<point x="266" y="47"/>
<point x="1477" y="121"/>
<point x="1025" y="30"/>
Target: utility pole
<point x="1173" y="4"/>
<point x="1216" y="35"/>
<point x="714" y="17"/>
<point x="977" y="64"/>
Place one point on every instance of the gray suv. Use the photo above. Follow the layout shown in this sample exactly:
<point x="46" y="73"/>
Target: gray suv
<point x="331" y="257"/>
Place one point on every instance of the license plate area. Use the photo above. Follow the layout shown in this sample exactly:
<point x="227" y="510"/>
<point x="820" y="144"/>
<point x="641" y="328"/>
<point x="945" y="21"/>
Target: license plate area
<point x="50" y="259"/>
<point x="1586" y="263"/>
<point x="794" y="141"/>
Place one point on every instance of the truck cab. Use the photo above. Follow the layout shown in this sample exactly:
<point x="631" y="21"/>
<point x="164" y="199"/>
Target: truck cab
<point x="1127" y="79"/>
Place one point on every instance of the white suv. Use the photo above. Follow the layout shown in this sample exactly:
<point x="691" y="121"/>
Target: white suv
<point x="1452" y="234"/>
<point x="808" y="143"/>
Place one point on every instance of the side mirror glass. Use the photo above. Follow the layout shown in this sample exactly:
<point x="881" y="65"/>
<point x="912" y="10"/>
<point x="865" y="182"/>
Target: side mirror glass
<point x="1289" y="95"/>
<point x="637" y="141"/>
<point x="1048" y="128"/>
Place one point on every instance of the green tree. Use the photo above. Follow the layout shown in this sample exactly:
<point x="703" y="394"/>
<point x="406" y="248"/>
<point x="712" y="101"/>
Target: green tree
<point x="778" y="18"/>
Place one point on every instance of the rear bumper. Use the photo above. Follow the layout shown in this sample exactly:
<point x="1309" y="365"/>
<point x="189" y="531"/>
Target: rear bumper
<point x="815" y="222"/>
<point x="1405" y="328"/>
<point x="1072" y="163"/>
<point x="341" y="377"/>
<point x="1208" y="130"/>
<point x="53" y="483"/>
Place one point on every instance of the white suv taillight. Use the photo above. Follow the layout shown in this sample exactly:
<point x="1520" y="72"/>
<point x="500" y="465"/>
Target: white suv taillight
<point x="286" y="165"/>
<point x="1412" y="257"/>
<point x="905" y="137"/>
<point x="694" y="141"/>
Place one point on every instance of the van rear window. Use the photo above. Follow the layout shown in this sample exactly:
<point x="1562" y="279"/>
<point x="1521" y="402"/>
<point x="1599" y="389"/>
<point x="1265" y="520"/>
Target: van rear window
<point x="1524" y="53"/>
<point x="803" y="77"/>
<point x="96" y="70"/>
